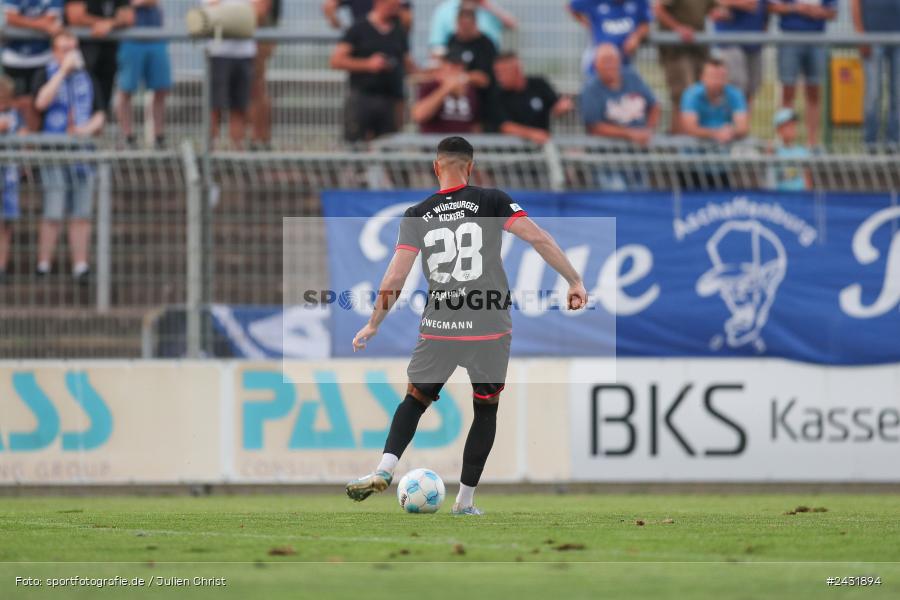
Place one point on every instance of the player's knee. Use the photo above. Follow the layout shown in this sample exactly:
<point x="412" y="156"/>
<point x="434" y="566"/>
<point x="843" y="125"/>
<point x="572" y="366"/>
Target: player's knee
<point x="416" y="393"/>
<point x="491" y="401"/>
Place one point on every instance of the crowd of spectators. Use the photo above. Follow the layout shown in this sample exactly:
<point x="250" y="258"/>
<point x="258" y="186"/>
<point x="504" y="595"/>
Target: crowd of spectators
<point x="473" y="83"/>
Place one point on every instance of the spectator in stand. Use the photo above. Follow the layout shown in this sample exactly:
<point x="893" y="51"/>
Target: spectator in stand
<point x="100" y="57"/>
<point x="260" y="110"/>
<point x="744" y="63"/>
<point x="616" y="103"/>
<point x="491" y="18"/>
<point x="623" y="23"/>
<point x="810" y="17"/>
<point x="713" y="109"/>
<point x="682" y="64"/>
<point x="879" y="16"/>
<point x="448" y="103"/>
<point x="146" y="61"/>
<point x="358" y="9"/>
<point x="787" y="177"/>
<point x="231" y="78"/>
<point x="10" y="124"/>
<point x="476" y="51"/>
<point x="520" y="105"/>
<point x="22" y="58"/>
<point x="70" y="103"/>
<point x="375" y="52"/>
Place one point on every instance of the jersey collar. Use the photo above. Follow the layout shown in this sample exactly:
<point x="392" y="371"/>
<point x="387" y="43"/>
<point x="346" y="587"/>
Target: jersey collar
<point x="453" y="189"/>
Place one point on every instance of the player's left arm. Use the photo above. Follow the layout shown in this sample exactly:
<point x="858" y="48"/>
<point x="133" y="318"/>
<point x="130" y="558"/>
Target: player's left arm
<point x="528" y="231"/>
<point x="388" y="293"/>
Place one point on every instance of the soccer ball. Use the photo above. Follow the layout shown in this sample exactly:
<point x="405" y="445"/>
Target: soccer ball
<point x="420" y="491"/>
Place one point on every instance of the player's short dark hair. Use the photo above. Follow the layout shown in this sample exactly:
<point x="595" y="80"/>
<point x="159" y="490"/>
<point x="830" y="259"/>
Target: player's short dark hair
<point x="456" y="147"/>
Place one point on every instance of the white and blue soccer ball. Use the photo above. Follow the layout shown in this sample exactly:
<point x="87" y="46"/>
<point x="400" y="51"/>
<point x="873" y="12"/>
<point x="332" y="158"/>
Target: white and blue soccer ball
<point x="420" y="491"/>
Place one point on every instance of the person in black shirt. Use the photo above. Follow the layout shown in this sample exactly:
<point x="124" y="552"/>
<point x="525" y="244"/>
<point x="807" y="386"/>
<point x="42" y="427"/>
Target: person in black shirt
<point x="102" y="17"/>
<point x="474" y="49"/>
<point x="375" y="52"/>
<point x="458" y="232"/>
<point x="520" y="105"/>
<point x="359" y="9"/>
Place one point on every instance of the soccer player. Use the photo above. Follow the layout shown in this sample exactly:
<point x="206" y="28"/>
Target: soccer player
<point x="466" y="320"/>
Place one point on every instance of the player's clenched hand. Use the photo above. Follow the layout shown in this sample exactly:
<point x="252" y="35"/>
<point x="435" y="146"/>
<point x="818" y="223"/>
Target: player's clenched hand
<point x="577" y="296"/>
<point x="363" y="336"/>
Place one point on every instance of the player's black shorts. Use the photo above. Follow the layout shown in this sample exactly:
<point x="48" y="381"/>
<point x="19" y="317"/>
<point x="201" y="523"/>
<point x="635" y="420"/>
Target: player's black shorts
<point x="433" y="362"/>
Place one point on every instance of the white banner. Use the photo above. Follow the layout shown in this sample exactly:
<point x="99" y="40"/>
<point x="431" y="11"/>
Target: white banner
<point x="735" y="420"/>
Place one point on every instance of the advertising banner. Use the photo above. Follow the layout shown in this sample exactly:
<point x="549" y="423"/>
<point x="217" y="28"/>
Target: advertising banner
<point x="735" y="420"/>
<point x="109" y="422"/>
<point x="813" y="278"/>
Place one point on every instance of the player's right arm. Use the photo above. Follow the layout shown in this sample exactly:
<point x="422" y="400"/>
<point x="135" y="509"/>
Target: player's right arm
<point x="388" y="293"/>
<point x="528" y="231"/>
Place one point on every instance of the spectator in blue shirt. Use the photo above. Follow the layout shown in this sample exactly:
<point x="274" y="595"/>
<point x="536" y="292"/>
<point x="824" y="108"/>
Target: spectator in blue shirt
<point x="147" y="62"/>
<point x="879" y="16"/>
<point x="22" y="58"/>
<point x="623" y="23"/>
<point x="809" y="17"/>
<point x="491" y="18"/>
<point x="10" y="124"/>
<point x="616" y="103"/>
<point x="712" y="109"/>
<point x="70" y="102"/>
<point x="744" y="63"/>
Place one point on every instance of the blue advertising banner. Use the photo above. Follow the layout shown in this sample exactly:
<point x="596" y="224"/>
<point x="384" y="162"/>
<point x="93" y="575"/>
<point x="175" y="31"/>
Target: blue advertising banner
<point x="808" y="277"/>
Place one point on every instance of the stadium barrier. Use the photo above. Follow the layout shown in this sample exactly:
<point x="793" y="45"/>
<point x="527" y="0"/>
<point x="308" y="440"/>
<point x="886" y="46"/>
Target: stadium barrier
<point x="178" y="233"/>
<point x="247" y="422"/>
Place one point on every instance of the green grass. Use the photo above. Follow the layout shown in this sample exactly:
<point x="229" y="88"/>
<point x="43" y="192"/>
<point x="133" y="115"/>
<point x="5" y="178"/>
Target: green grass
<point x="690" y="546"/>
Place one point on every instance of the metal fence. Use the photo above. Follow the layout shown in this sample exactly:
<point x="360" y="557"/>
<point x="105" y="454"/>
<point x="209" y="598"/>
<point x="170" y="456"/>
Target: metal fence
<point x="176" y="233"/>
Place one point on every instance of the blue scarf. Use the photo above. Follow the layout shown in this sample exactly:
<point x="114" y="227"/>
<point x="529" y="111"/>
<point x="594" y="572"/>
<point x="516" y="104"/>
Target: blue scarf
<point x="74" y="100"/>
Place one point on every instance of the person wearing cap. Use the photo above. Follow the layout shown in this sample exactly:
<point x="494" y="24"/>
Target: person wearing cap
<point x="879" y="16"/>
<point x="712" y="109"/>
<point x="448" y="102"/>
<point x="785" y="176"/>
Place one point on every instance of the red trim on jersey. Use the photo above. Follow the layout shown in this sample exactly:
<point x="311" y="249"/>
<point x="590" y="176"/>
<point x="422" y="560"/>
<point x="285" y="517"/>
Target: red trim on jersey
<point x="466" y="338"/>
<point x="453" y="189"/>
<point x="513" y="218"/>
<point x="407" y="247"/>
<point x="489" y="396"/>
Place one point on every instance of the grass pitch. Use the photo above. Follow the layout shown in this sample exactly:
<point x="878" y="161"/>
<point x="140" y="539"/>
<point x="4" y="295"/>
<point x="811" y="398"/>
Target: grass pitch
<point x="526" y="546"/>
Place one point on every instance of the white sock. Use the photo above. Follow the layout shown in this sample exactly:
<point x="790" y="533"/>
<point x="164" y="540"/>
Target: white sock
<point x="43" y="267"/>
<point x="79" y="268"/>
<point x="466" y="496"/>
<point x="388" y="463"/>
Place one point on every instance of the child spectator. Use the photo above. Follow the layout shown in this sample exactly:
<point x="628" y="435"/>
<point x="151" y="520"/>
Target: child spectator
<point x="808" y="61"/>
<point x="787" y="177"/>
<point x="69" y="101"/>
